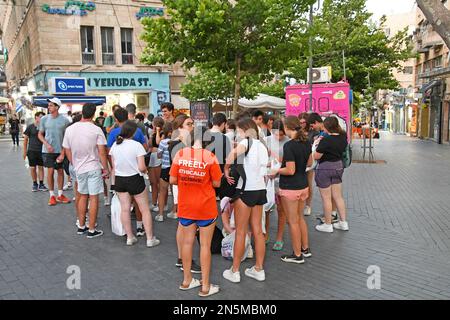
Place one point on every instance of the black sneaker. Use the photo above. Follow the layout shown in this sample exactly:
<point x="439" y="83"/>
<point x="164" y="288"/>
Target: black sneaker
<point x="293" y="258"/>
<point x="140" y="232"/>
<point x="179" y="263"/>
<point x="35" y="187"/>
<point x="82" y="231"/>
<point x="95" y="234"/>
<point x="195" y="268"/>
<point x="42" y="187"/>
<point x="306" y="253"/>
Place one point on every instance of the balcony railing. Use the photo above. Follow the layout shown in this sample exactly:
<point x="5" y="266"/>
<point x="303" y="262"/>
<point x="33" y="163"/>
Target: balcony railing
<point x="108" y="58"/>
<point x="88" y="58"/>
<point x="127" y="58"/>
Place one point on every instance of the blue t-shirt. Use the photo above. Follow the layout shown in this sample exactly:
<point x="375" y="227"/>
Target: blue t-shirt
<point x="138" y="136"/>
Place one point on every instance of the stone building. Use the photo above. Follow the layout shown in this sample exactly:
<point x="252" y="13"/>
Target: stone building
<point x="99" y="41"/>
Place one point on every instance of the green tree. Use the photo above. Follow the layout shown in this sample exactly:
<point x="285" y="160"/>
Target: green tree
<point x="345" y="25"/>
<point x="238" y="38"/>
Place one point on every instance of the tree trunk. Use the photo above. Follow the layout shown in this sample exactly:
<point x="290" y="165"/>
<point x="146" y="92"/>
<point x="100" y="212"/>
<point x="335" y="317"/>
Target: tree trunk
<point x="237" y="85"/>
<point x="439" y="17"/>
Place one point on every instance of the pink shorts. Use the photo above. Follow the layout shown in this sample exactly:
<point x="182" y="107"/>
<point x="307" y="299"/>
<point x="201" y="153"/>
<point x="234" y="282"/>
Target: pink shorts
<point x="294" y="195"/>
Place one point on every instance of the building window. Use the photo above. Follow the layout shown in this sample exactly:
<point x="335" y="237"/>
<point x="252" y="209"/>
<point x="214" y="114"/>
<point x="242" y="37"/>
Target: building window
<point x="126" y="36"/>
<point x="408" y="70"/>
<point x="87" y="45"/>
<point x="437" y="62"/>
<point x="107" y="45"/>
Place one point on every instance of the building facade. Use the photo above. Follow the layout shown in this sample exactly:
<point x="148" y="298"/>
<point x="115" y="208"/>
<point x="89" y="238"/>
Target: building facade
<point x="99" y="41"/>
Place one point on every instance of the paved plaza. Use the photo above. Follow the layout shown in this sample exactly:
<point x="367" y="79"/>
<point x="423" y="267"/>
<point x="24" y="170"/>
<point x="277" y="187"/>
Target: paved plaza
<point x="399" y="217"/>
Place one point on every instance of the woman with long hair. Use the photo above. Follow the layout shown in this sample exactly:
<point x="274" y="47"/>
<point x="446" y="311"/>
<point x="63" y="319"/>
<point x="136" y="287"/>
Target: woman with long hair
<point x="251" y="198"/>
<point x="329" y="154"/>
<point x="127" y="157"/>
<point x="154" y="164"/>
<point x="196" y="171"/>
<point x="294" y="187"/>
<point x="303" y="117"/>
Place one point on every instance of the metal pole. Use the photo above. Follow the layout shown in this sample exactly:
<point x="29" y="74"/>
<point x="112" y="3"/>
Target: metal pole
<point x="310" y="58"/>
<point x="343" y="62"/>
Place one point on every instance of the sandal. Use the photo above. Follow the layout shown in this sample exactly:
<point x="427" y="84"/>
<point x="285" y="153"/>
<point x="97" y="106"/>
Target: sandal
<point x="213" y="289"/>
<point x="278" y="246"/>
<point x="194" y="284"/>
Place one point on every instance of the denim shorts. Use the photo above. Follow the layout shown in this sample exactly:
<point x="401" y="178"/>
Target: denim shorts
<point x="90" y="183"/>
<point x="328" y="173"/>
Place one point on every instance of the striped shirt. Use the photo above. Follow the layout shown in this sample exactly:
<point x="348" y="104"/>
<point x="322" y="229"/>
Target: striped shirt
<point x="163" y="151"/>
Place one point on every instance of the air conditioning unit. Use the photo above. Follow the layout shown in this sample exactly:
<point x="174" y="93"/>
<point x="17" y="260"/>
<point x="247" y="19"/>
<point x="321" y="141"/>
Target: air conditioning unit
<point x="320" y="75"/>
<point x="142" y="102"/>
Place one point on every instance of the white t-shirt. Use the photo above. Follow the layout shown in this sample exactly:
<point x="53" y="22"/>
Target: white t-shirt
<point x="255" y="166"/>
<point x="125" y="157"/>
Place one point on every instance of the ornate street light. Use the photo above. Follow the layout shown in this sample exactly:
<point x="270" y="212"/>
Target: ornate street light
<point x="313" y="8"/>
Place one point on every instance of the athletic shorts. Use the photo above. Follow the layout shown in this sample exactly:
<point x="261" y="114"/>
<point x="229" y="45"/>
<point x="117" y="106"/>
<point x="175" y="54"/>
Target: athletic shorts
<point x="294" y="195"/>
<point x="328" y="173"/>
<point x="49" y="160"/>
<point x="253" y="198"/>
<point x="133" y="185"/>
<point x="154" y="161"/>
<point x="200" y="223"/>
<point x="35" y="158"/>
<point x="165" y="174"/>
<point x="90" y="183"/>
<point x="72" y="173"/>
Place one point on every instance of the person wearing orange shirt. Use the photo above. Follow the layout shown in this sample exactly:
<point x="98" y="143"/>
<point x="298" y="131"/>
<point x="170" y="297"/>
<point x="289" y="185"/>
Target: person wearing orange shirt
<point x="196" y="171"/>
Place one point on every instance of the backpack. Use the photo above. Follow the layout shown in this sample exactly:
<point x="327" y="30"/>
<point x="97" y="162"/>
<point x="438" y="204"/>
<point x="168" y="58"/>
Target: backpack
<point x="236" y="171"/>
<point x="347" y="156"/>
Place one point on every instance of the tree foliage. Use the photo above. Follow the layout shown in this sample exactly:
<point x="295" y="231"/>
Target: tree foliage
<point x="237" y="38"/>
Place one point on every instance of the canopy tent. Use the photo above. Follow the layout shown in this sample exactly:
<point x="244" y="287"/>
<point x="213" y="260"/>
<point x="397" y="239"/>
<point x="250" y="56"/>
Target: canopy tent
<point x="262" y="101"/>
<point x="4" y="100"/>
<point x="41" y="101"/>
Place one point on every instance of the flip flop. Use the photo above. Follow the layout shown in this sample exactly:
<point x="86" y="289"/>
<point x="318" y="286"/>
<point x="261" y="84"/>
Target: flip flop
<point x="194" y="284"/>
<point x="213" y="289"/>
<point x="278" y="246"/>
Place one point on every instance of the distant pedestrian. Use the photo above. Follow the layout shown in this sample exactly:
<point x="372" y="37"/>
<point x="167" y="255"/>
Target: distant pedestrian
<point x="110" y="122"/>
<point x="32" y="148"/>
<point x="127" y="157"/>
<point x="85" y="146"/>
<point x="51" y="134"/>
<point x="154" y="164"/>
<point x="167" y="110"/>
<point x="14" y="129"/>
<point x="329" y="173"/>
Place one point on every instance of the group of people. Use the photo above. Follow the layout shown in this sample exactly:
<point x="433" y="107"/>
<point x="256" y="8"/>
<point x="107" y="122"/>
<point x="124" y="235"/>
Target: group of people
<point x="196" y="164"/>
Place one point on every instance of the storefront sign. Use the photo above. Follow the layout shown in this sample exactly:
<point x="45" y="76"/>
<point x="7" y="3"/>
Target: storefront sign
<point x="65" y="85"/>
<point x="328" y="99"/>
<point x="201" y="111"/>
<point x="149" y="12"/>
<point x="77" y="8"/>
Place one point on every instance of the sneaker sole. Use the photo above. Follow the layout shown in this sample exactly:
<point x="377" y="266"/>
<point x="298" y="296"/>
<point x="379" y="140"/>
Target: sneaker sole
<point x="307" y="255"/>
<point x="192" y="271"/>
<point x="96" y="236"/>
<point x="253" y="277"/>
<point x="293" y="261"/>
<point x="232" y="281"/>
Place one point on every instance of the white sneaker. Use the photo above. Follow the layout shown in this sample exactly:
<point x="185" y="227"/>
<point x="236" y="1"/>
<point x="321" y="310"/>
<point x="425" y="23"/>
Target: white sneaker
<point x="131" y="241"/>
<point x="107" y="202"/>
<point x="155" y="208"/>
<point x="153" y="242"/>
<point x="67" y="186"/>
<point x="232" y="276"/>
<point x="159" y="218"/>
<point x="341" y="225"/>
<point x="250" y="254"/>
<point x="78" y="223"/>
<point x="257" y="275"/>
<point x="307" y="211"/>
<point x="325" y="228"/>
<point x="172" y="215"/>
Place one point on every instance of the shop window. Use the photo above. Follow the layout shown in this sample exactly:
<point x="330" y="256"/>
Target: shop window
<point x="107" y="45"/>
<point x="126" y="36"/>
<point x="87" y="45"/>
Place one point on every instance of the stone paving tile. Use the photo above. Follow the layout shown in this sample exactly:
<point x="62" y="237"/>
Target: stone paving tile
<point x="398" y="213"/>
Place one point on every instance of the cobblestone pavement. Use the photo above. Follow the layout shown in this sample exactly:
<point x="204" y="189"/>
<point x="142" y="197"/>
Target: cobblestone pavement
<point x="399" y="215"/>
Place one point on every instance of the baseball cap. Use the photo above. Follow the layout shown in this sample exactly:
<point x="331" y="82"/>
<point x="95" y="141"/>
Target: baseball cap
<point x="55" y="101"/>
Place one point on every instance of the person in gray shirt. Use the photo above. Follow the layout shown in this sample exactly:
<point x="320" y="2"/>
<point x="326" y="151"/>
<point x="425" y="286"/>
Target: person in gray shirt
<point x="51" y="134"/>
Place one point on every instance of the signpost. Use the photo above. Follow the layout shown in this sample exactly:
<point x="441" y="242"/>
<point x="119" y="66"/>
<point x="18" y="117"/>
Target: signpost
<point x="201" y="112"/>
<point x="67" y="85"/>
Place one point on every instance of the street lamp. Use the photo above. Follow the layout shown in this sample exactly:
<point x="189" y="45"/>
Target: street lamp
<point x="312" y="9"/>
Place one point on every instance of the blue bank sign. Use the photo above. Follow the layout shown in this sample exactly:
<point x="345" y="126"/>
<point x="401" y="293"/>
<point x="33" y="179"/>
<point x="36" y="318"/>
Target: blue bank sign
<point x="65" y="85"/>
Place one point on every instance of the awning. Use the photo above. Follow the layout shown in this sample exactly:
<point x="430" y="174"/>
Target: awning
<point x="429" y="85"/>
<point x="263" y="102"/>
<point x="4" y="100"/>
<point x="41" y="101"/>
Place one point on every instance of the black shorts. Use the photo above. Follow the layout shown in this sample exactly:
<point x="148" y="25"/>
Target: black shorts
<point x="133" y="185"/>
<point x="165" y="174"/>
<point x="35" y="158"/>
<point x="49" y="160"/>
<point x="253" y="198"/>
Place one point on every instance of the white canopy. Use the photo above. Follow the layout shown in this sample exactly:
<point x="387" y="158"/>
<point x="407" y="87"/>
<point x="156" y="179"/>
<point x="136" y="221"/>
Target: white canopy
<point x="261" y="101"/>
<point x="4" y="100"/>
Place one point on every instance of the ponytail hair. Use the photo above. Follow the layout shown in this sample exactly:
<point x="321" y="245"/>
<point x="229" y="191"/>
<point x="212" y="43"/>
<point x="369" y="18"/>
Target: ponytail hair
<point x="293" y="123"/>
<point x="128" y="130"/>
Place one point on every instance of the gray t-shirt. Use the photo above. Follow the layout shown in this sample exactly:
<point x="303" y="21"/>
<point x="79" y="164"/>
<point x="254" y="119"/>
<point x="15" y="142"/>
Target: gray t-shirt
<point x="53" y="129"/>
